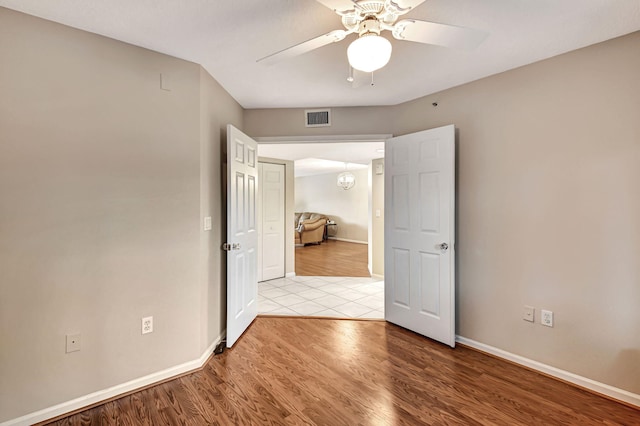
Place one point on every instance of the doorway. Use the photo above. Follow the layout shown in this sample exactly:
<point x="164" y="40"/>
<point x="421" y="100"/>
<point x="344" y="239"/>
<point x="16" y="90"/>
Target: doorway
<point x="310" y="290"/>
<point x="419" y="293"/>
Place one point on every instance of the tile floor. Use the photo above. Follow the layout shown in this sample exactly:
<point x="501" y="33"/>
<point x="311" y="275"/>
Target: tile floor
<point x="340" y="297"/>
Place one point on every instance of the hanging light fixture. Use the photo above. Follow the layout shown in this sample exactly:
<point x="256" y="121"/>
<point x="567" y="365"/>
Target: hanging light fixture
<point x="346" y="179"/>
<point x="370" y="51"/>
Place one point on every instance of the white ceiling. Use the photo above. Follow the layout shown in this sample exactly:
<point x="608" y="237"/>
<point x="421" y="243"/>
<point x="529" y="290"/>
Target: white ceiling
<point x="318" y="158"/>
<point x="227" y="37"/>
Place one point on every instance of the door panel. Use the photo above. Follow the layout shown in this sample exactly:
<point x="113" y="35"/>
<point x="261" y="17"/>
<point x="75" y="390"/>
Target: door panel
<point x="419" y="197"/>
<point x="242" y="235"/>
<point x="272" y="222"/>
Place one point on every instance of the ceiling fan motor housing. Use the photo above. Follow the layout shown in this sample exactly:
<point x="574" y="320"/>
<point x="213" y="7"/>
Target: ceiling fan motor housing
<point x="370" y="25"/>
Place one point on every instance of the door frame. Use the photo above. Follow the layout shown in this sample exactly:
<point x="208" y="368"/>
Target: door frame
<point x="283" y="140"/>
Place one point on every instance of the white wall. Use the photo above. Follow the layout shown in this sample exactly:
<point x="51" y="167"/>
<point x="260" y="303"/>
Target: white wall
<point x="320" y="194"/>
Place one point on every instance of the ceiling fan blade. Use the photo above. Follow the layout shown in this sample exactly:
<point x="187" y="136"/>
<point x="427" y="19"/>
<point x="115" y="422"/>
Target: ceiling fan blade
<point x="304" y="47"/>
<point x="410" y="3"/>
<point x="343" y="5"/>
<point x="339" y="5"/>
<point x="438" y="34"/>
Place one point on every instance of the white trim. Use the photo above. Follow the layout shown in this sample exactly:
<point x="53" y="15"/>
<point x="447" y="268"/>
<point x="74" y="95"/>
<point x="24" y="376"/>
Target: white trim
<point x="324" y="139"/>
<point x="601" y="388"/>
<point x="346" y="240"/>
<point x="377" y="277"/>
<point x="290" y="275"/>
<point x="114" y="391"/>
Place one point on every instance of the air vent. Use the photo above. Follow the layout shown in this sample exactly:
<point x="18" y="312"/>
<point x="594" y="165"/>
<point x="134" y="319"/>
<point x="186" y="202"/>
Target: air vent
<point x="317" y="117"/>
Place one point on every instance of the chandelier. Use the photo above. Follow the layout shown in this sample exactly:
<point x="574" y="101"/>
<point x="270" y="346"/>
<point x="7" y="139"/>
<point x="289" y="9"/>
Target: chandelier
<point x="346" y="180"/>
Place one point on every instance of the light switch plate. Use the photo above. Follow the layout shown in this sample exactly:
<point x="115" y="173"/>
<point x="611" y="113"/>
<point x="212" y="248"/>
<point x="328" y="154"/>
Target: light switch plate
<point x="207" y="223"/>
<point x="165" y="82"/>
<point x="529" y="313"/>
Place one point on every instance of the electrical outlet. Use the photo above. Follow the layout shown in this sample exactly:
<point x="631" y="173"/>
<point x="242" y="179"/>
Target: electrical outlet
<point x="529" y="313"/>
<point x="147" y="325"/>
<point x="73" y="342"/>
<point x="546" y="318"/>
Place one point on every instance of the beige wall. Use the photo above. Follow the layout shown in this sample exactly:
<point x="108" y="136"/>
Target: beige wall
<point x="344" y="121"/>
<point x="321" y="194"/>
<point x="217" y="109"/>
<point x="548" y="165"/>
<point x="104" y="180"/>
<point x="548" y="206"/>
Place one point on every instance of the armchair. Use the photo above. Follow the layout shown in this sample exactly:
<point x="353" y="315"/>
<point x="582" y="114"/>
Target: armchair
<point x="310" y="227"/>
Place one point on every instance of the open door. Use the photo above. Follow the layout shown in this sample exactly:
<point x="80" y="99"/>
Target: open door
<point x="242" y="233"/>
<point x="419" y="233"/>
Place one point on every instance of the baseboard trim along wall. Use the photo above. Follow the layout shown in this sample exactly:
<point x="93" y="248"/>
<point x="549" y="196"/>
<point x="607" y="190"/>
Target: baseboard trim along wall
<point x="347" y="241"/>
<point x="583" y="382"/>
<point x="115" y="391"/>
<point x="151" y="379"/>
<point x="290" y="275"/>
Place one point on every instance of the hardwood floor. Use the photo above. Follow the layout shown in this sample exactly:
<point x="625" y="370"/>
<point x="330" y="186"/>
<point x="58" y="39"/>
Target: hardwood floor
<point x="294" y="371"/>
<point x="332" y="258"/>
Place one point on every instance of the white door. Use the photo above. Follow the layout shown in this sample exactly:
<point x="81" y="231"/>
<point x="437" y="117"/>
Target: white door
<point x="419" y="233"/>
<point x="272" y="232"/>
<point x="242" y="233"/>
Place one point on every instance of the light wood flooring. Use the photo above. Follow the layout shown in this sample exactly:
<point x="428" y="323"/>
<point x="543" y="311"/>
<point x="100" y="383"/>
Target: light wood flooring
<point x="296" y="371"/>
<point x="332" y="258"/>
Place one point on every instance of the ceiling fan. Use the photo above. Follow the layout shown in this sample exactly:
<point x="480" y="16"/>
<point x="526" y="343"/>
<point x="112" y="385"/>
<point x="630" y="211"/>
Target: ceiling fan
<point x="368" y="18"/>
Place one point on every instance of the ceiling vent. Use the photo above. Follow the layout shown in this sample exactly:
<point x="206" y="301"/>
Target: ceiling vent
<point x="317" y="117"/>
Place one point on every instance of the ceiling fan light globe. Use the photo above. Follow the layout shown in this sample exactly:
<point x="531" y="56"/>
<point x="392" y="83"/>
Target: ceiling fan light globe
<point x="369" y="53"/>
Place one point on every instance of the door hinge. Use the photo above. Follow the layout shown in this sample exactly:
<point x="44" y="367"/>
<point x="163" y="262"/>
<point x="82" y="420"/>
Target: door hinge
<point x="229" y="247"/>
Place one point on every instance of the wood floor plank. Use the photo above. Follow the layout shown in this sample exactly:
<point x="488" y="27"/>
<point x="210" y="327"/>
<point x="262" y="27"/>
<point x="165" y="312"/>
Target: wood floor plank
<point x="332" y="258"/>
<point x="301" y="371"/>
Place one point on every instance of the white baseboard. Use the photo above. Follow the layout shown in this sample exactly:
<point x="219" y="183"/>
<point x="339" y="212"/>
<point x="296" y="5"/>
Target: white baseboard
<point x="114" y="391"/>
<point x="601" y="388"/>
<point x="378" y="277"/>
<point x="290" y="275"/>
<point x="347" y="241"/>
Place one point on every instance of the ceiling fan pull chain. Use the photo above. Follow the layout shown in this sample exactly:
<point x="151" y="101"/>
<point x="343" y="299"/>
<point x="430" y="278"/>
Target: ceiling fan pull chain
<point x="350" y="76"/>
<point x="372" y="78"/>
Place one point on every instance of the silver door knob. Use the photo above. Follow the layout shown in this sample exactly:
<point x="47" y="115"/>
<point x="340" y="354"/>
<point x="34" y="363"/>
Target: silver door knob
<point x="444" y="246"/>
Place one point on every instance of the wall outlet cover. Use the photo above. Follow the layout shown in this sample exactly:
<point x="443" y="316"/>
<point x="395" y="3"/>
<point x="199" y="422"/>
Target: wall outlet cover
<point x="147" y="325"/>
<point x="546" y="318"/>
<point x="73" y="342"/>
